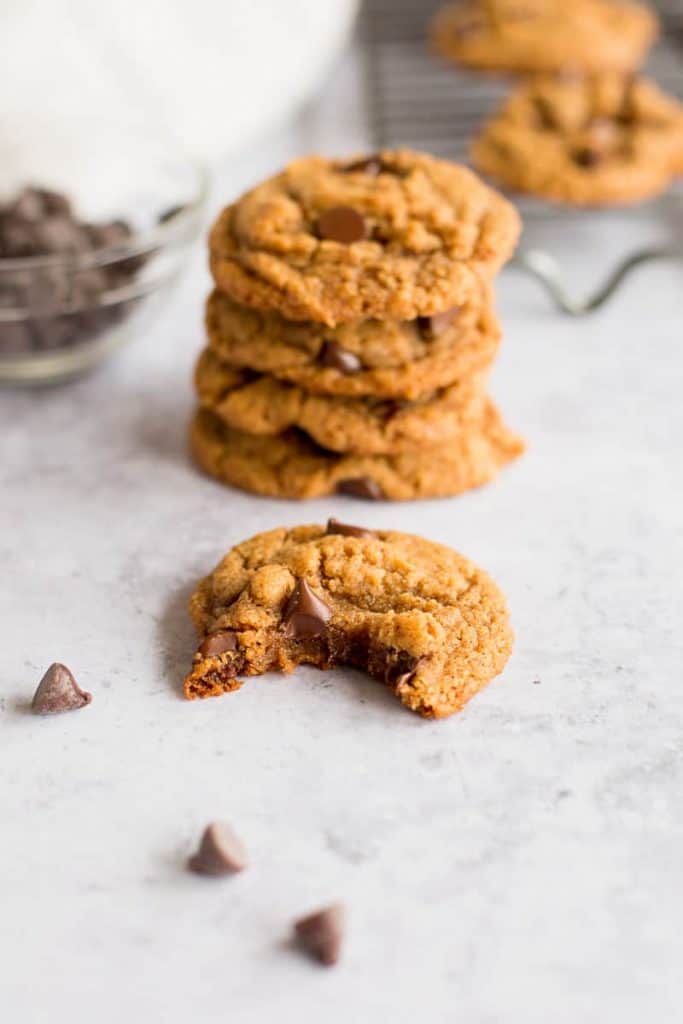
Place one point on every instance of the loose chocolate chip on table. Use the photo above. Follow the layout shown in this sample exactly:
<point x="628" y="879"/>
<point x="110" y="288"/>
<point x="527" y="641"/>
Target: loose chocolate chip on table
<point x="345" y="530"/>
<point x="587" y="157"/>
<point x="342" y="224"/>
<point x="304" y="613"/>
<point x="435" y="325"/>
<point x="220" y="642"/>
<point x="361" y="487"/>
<point x="337" y="358"/>
<point x="367" y="165"/>
<point x="58" y="691"/>
<point x="221" y="852"/>
<point x="321" y="933"/>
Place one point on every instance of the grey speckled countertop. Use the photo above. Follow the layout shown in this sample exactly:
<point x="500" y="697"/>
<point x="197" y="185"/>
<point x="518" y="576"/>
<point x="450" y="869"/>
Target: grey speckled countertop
<point x="517" y="864"/>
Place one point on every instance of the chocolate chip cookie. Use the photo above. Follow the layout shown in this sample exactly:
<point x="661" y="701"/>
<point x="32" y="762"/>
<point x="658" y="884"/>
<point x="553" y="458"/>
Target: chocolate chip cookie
<point x="291" y="465"/>
<point x="390" y="359"/>
<point x="416" y="615"/>
<point x="545" y="35"/>
<point x="600" y="140"/>
<point x="265" y="406"/>
<point x="393" y="236"/>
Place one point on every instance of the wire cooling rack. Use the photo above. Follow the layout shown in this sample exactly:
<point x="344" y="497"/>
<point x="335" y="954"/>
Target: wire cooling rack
<point x="420" y="101"/>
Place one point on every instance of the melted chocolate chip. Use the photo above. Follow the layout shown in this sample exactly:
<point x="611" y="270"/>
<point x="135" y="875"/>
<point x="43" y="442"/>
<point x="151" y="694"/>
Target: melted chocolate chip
<point x="335" y="527"/>
<point x="587" y="157"/>
<point x="333" y="355"/>
<point x="387" y="410"/>
<point x="342" y="224"/>
<point x="431" y="327"/>
<point x="361" y="487"/>
<point x="304" y="613"/>
<point x="544" y="113"/>
<point x="402" y="670"/>
<point x="321" y="933"/>
<point x="220" y="852"/>
<point x="220" y="642"/>
<point x="371" y="165"/>
<point x="58" y="691"/>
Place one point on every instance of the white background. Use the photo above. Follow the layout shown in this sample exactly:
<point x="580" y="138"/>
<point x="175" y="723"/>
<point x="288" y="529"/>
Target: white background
<point x="520" y="862"/>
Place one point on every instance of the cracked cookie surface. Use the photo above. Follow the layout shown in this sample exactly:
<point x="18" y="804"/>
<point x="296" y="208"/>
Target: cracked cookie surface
<point x="416" y="615"/>
<point x="383" y="359"/>
<point x="393" y="236"/>
<point x="291" y="465"/>
<point x="265" y="406"/>
<point x="545" y="35"/>
<point x="599" y="140"/>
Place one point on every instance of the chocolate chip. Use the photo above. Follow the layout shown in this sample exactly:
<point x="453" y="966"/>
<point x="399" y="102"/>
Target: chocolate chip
<point x="321" y="933"/>
<point x="361" y="487"/>
<point x="65" y="302"/>
<point x="342" y="224"/>
<point x="304" y="613"/>
<point x="371" y="165"/>
<point x="402" y="670"/>
<point x="61" y="235"/>
<point x="105" y="236"/>
<point x="544" y="113"/>
<point x="404" y="677"/>
<point x="335" y="527"/>
<point x="18" y="237"/>
<point x="219" y="642"/>
<point x="337" y="358"/>
<point x="33" y="204"/>
<point x="387" y="410"/>
<point x="221" y="852"/>
<point x="58" y="691"/>
<point x="587" y="157"/>
<point x="431" y="327"/>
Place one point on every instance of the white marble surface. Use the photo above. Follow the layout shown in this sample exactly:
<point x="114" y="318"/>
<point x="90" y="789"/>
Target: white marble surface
<point x="518" y="863"/>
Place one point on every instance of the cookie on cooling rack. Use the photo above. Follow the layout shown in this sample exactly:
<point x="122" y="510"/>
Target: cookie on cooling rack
<point x="545" y="35"/>
<point x="598" y="140"/>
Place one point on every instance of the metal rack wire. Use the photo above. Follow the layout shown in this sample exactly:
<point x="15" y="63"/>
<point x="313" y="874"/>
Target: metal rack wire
<point x="420" y="101"/>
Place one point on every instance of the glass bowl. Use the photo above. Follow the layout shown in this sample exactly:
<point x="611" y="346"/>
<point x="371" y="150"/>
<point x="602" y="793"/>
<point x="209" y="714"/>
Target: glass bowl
<point x="63" y="313"/>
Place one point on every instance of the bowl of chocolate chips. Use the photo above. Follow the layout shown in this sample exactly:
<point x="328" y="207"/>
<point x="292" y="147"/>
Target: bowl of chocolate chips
<point x="79" y="279"/>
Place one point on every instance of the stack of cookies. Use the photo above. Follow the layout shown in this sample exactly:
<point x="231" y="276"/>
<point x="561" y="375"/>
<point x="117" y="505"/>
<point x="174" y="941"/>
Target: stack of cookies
<point x="351" y="332"/>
